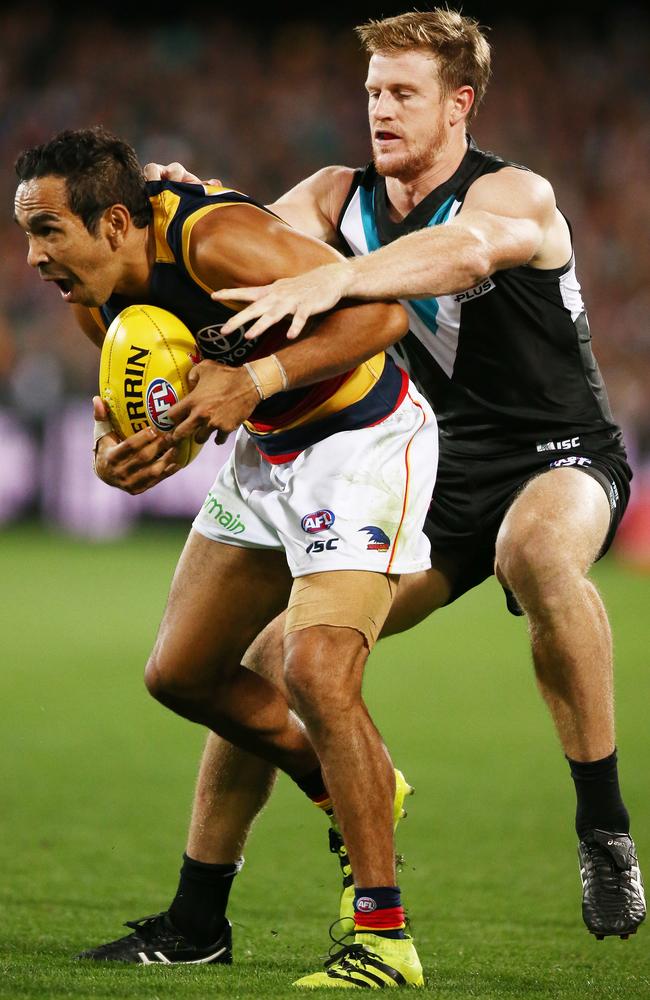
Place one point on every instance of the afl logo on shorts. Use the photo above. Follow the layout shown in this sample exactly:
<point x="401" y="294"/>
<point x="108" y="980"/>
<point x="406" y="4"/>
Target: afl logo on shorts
<point x="366" y="904"/>
<point x="320" y="520"/>
<point x="160" y="397"/>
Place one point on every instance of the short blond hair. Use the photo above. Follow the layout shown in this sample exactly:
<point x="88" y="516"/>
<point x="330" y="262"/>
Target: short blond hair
<point x="458" y="42"/>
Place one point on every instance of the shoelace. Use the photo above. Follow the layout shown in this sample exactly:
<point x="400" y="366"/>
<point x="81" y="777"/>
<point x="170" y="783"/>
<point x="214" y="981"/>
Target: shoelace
<point x="603" y="863"/>
<point x="340" y="941"/>
<point x="147" y="927"/>
<point x="349" y="954"/>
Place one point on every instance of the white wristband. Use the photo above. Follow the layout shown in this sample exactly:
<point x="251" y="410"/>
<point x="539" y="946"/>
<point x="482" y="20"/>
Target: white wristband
<point x="267" y="375"/>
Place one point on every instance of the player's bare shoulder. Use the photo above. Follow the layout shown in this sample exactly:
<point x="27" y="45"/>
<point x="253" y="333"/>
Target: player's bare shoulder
<point x="314" y="205"/>
<point x="242" y="245"/>
<point x="520" y="194"/>
<point x="229" y="239"/>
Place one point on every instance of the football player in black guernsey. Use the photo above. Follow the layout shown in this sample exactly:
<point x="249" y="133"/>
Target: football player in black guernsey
<point x="533" y="478"/>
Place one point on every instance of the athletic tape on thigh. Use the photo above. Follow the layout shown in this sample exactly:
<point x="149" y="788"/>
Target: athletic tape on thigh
<point x="346" y="598"/>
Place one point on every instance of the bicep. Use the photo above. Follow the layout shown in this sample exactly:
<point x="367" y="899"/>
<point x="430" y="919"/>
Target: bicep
<point x="242" y="245"/>
<point x="512" y="212"/>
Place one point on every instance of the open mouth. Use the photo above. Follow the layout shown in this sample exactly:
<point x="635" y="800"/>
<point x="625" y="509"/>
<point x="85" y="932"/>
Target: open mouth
<point x="383" y="136"/>
<point x="65" y="285"/>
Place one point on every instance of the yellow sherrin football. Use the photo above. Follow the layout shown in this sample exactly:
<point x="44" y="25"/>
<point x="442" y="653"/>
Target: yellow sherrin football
<point x="146" y="357"/>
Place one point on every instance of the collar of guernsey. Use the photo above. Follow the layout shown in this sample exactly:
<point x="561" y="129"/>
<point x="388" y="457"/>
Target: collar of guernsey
<point x="288" y="422"/>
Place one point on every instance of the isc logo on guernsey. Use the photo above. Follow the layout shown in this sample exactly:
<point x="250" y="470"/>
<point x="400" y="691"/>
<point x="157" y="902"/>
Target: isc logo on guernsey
<point x="319" y="520"/>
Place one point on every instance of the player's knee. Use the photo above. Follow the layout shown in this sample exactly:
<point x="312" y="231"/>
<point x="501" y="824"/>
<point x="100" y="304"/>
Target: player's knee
<point x="321" y="676"/>
<point x="160" y="678"/>
<point x="172" y="685"/>
<point x="535" y="562"/>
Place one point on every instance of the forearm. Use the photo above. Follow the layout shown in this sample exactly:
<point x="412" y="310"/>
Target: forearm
<point x="340" y="341"/>
<point x="430" y="262"/>
<point x="222" y="397"/>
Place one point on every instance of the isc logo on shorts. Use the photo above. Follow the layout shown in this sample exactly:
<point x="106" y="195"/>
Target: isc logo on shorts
<point x="160" y="397"/>
<point x="320" y="520"/>
<point x="561" y="463"/>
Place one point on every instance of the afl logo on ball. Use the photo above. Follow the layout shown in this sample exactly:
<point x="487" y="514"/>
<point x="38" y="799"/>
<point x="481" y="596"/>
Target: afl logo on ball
<point x="366" y="904"/>
<point x="320" y="520"/>
<point x="160" y="397"/>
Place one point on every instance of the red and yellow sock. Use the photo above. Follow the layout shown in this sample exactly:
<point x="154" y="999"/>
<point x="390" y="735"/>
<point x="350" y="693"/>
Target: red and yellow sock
<point x="379" y="910"/>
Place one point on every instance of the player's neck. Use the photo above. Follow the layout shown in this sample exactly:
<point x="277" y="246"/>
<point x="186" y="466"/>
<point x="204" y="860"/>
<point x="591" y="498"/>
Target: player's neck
<point x="404" y="194"/>
<point x="139" y="257"/>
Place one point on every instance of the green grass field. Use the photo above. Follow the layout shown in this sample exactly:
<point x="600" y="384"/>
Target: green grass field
<point x="97" y="781"/>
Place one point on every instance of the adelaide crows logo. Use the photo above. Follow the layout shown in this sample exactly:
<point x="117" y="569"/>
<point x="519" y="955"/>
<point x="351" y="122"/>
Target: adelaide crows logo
<point x="379" y="540"/>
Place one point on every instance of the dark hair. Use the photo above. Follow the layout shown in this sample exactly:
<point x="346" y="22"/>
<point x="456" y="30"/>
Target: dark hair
<point x="100" y="170"/>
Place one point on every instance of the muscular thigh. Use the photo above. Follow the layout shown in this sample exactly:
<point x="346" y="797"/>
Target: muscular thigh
<point x="221" y="597"/>
<point x="562" y="515"/>
<point x="418" y="596"/>
<point x="265" y="655"/>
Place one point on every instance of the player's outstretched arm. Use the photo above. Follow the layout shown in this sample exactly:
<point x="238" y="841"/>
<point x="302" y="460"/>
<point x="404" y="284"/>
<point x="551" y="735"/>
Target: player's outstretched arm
<point x="230" y="246"/>
<point x="509" y="218"/>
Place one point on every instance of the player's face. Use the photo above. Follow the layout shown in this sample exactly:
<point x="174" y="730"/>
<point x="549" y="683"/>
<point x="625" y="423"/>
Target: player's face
<point x="406" y="109"/>
<point x="80" y="263"/>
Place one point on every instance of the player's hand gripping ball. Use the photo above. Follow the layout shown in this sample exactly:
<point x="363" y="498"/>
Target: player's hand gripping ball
<point x="146" y="357"/>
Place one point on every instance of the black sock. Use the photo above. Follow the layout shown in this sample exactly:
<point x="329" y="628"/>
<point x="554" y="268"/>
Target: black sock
<point x="312" y="785"/>
<point x="198" y="909"/>
<point x="600" y="805"/>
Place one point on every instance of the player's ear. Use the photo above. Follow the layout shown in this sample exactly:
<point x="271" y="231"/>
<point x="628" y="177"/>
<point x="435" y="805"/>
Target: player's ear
<point x="461" y="103"/>
<point x="115" y="223"/>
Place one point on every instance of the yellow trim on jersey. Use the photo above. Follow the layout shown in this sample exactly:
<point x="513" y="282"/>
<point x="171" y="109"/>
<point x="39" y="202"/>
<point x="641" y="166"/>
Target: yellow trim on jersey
<point x="97" y="316"/>
<point x="218" y="189"/>
<point x="188" y="226"/>
<point x="352" y="391"/>
<point x="165" y="205"/>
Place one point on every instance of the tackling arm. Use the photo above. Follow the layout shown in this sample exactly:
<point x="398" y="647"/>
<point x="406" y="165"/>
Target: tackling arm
<point x="235" y="244"/>
<point x="508" y="219"/>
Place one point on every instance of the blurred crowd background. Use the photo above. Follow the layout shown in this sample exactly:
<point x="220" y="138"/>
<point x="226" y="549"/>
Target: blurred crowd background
<point x="261" y="106"/>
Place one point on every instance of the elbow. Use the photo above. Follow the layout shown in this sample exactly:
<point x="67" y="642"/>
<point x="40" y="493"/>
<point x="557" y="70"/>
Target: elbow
<point x="478" y="261"/>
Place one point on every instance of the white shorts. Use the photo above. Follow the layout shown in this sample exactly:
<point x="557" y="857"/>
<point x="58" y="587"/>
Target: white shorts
<point x="356" y="500"/>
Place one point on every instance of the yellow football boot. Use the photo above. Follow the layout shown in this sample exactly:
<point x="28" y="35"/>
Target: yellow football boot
<point x="372" y="962"/>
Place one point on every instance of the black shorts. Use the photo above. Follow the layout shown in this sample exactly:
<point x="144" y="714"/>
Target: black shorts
<point x="474" y="492"/>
